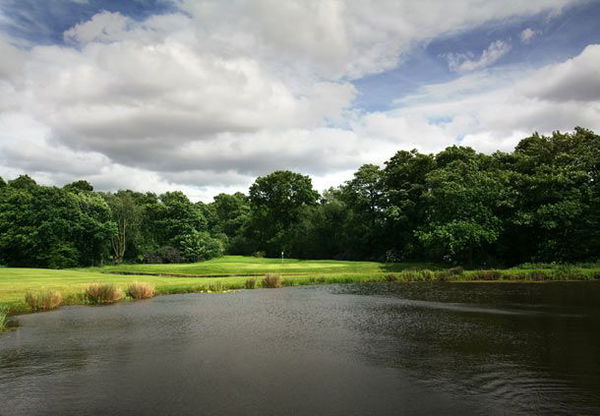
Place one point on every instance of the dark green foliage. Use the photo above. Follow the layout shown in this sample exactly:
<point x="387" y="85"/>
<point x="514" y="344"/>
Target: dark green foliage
<point x="278" y="203"/>
<point x="43" y="226"/>
<point x="198" y="246"/>
<point x="165" y="254"/>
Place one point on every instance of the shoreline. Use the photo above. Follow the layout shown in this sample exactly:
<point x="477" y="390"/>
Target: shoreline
<point x="463" y="278"/>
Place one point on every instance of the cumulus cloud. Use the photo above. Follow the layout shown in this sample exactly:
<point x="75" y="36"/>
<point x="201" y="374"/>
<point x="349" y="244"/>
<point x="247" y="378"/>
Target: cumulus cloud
<point x="465" y="62"/>
<point x="575" y="79"/>
<point x="527" y="35"/>
<point x="509" y="106"/>
<point x="208" y="98"/>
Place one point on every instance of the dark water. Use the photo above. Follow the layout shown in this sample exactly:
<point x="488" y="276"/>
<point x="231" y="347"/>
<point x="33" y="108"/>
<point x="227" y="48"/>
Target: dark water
<point x="412" y="349"/>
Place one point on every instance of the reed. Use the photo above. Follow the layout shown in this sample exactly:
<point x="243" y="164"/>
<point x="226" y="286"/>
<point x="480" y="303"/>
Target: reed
<point x="272" y="280"/>
<point x="43" y="301"/>
<point x="97" y="293"/>
<point x="140" y="290"/>
<point x="3" y="319"/>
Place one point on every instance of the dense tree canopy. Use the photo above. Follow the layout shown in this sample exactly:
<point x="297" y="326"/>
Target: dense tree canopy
<point x="540" y="202"/>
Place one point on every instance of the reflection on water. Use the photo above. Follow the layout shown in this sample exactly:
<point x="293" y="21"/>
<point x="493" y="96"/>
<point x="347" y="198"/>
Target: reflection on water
<point x="340" y="350"/>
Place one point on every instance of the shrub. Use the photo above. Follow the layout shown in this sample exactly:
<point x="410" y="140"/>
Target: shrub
<point x="138" y="290"/>
<point x="97" y="293"/>
<point x="165" y="254"/>
<point x="250" y="284"/>
<point x="43" y="301"/>
<point x="272" y="280"/>
<point x="198" y="246"/>
<point x="259" y="254"/>
<point x="63" y="256"/>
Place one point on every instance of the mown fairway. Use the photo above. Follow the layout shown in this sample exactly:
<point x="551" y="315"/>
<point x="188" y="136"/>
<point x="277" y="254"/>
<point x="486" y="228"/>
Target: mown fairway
<point x="243" y="265"/>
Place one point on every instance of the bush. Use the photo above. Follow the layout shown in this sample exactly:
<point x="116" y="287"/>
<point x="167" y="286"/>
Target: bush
<point x="43" y="301"/>
<point x="272" y="280"/>
<point x="63" y="256"/>
<point x="97" y="293"/>
<point x="138" y="290"/>
<point x="250" y="284"/>
<point x="199" y="246"/>
<point x="259" y="254"/>
<point x="165" y="254"/>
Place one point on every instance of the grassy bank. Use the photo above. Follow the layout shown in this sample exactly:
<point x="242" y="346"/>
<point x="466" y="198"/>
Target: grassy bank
<point x="15" y="283"/>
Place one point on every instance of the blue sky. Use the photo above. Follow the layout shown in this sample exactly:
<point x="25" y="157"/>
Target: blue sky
<point x="558" y="38"/>
<point x="204" y="95"/>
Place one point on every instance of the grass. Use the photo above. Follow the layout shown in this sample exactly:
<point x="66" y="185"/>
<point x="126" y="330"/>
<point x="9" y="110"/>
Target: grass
<point x="102" y="293"/>
<point x="231" y="265"/>
<point x="272" y="280"/>
<point x="44" y="300"/>
<point x="139" y="290"/>
<point x="16" y="282"/>
<point x="3" y="318"/>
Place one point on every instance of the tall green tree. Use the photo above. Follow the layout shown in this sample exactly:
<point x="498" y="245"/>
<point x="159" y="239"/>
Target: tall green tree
<point x="277" y="202"/>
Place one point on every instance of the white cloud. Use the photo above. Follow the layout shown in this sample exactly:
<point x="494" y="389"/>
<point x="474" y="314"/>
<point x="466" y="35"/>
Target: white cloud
<point x="464" y="62"/>
<point x="207" y="99"/>
<point x="509" y="106"/>
<point x="527" y="35"/>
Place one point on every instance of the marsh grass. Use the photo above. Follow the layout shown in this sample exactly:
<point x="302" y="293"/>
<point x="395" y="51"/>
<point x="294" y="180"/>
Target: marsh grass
<point x="106" y="293"/>
<point x="250" y="284"/>
<point x="43" y="301"/>
<point x="487" y="275"/>
<point x="140" y="290"/>
<point x="272" y="280"/>
<point x="216" y="287"/>
<point x="3" y="318"/>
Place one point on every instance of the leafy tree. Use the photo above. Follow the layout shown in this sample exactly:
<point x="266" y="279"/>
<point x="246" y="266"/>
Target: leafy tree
<point x="461" y="223"/>
<point x="79" y="186"/>
<point x="277" y="202"/>
<point x="199" y="245"/>
<point x="126" y="215"/>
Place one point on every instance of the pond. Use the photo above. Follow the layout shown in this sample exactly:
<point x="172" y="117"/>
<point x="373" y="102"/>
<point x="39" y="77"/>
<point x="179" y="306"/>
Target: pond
<point x="377" y="349"/>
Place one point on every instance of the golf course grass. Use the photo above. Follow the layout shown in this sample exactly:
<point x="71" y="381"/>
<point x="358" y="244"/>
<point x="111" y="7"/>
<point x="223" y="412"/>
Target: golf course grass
<point x="233" y="272"/>
<point x="236" y="265"/>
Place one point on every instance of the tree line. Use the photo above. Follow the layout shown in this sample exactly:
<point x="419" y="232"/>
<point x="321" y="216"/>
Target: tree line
<point x="539" y="203"/>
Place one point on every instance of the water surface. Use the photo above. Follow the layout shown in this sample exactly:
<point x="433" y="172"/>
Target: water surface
<point x="411" y="349"/>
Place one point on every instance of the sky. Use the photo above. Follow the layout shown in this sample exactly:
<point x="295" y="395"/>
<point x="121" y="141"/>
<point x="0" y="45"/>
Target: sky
<point x="203" y="96"/>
